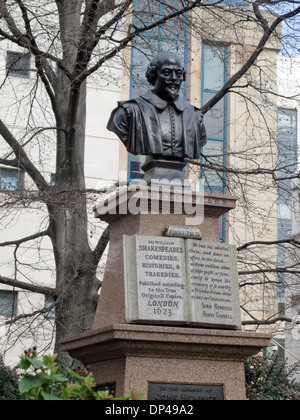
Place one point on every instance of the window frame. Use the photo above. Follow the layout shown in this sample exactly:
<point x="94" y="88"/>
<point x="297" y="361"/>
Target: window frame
<point x="204" y="91"/>
<point x="287" y="144"/>
<point x="23" y="70"/>
<point x="224" y="139"/>
<point x="14" y="304"/>
<point x="48" y="304"/>
<point x="161" y="38"/>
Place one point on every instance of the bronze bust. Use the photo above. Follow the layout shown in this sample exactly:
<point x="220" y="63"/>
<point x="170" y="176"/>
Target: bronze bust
<point x="160" y="123"/>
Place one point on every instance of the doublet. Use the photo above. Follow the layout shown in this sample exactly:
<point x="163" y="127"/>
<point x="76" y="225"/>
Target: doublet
<point x="150" y="126"/>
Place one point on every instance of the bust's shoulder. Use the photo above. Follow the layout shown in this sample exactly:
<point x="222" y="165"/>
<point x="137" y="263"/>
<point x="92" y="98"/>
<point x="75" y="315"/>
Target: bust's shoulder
<point x="127" y="106"/>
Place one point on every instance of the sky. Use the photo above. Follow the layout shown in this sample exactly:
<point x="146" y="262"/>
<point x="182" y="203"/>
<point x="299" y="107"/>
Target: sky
<point x="290" y="28"/>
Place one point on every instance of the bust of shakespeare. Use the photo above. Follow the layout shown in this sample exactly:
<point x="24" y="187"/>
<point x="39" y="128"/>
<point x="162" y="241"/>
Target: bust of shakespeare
<point x="160" y="123"/>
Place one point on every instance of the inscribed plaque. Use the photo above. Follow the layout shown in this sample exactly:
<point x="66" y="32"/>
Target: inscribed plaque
<point x="156" y="279"/>
<point x="181" y="281"/>
<point x="179" y="392"/>
<point x="214" y="292"/>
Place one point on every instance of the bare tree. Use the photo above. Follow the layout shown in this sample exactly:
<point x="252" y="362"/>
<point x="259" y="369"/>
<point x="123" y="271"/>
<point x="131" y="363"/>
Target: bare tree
<point x="71" y="41"/>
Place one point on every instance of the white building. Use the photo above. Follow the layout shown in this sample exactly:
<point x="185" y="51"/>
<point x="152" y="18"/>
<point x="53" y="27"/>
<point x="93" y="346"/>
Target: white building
<point x="33" y="261"/>
<point x="289" y="199"/>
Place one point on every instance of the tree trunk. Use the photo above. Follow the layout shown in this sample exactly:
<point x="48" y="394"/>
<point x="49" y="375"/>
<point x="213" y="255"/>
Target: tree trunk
<point x="76" y="284"/>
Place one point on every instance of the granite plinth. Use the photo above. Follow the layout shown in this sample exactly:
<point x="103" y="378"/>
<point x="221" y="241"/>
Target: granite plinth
<point x="111" y="308"/>
<point x="160" y="172"/>
<point x="165" y="360"/>
<point x="131" y="357"/>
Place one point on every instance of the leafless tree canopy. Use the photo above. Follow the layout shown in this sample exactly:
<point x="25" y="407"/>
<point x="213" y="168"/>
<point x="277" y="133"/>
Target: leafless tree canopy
<point x="74" y="41"/>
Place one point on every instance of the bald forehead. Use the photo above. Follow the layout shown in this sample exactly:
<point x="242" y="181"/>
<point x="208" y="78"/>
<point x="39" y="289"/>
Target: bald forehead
<point x="165" y="59"/>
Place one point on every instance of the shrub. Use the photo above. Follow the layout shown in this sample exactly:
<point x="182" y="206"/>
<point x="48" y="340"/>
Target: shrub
<point x="9" y="389"/>
<point x="45" y="380"/>
<point x="270" y="379"/>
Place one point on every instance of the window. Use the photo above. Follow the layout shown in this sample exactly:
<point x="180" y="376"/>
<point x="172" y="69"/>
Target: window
<point x="214" y="76"/>
<point x="172" y="36"/>
<point x="8" y="303"/>
<point x="49" y="304"/>
<point x="18" y="64"/>
<point x="11" y="179"/>
<point x="287" y="142"/>
<point x="52" y="180"/>
<point x="136" y="163"/>
<point x="287" y="166"/>
<point x="285" y="212"/>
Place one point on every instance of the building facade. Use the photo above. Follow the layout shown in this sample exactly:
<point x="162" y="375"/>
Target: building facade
<point x="288" y="202"/>
<point x="242" y="136"/>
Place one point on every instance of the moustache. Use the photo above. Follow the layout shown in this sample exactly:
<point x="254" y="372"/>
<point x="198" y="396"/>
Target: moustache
<point x="173" y="85"/>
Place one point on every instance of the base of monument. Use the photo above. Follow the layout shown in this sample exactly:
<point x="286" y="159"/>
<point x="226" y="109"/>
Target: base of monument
<point x="165" y="172"/>
<point x="168" y="362"/>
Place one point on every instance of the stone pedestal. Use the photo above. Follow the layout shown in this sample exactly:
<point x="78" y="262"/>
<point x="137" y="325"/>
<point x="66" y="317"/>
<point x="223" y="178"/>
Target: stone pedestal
<point x="161" y="360"/>
<point x="131" y="357"/>
<point x="158" y="171"/>
<point x="111" y="308"/>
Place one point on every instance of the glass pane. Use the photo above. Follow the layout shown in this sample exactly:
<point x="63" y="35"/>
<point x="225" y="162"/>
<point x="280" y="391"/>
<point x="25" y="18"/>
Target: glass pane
<point x="174" y="28"/>
<point x="222" y="229"/>
<point x="214" y="119"/>
<point x="143" y="52"/>
<point x="214" y="67"/>
<point x="214" y="156"/>
<point x="7" y="303"/>
<point x="287" y="121"/>
<point x="18" y="64"/>
<point x="136" y="163"/>
<point x="9" y="179"/>
<point x="287" y="143"/>
<point x="49" y="302"/>
<point x="147" y="12"/>
<point x="173" y="46"/>
<point x="285" y="211"/>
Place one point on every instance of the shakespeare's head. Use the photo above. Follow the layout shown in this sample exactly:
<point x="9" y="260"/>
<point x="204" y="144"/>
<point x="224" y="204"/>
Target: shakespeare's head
<point x="166" y="73"/>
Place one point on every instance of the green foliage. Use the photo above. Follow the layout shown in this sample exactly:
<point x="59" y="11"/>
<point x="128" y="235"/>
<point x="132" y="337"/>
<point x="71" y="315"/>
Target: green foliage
<point x="268" y="379"/>
<point x="9" y="389"/>
<point x="46" y="380"/>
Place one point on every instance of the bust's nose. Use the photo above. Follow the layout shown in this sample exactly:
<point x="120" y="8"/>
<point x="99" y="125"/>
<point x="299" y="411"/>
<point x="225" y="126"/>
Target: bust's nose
<point x="173" y="75"/>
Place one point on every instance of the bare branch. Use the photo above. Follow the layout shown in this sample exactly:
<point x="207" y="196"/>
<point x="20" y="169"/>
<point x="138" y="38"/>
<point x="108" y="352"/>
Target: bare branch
<point x="238" y="172"/>
<point x="268" y="32"/>
<point x="137" y="31"/>
<point x="35" y="288"/>
<point x="31" y="315"/>
<point x="268" y="243"/>
<point x="23" y="160"/>
<point x="259" y="322"/>
<point x="23" y="40"/>
<point x="102" y="244"/>
<point x="9" y="162"/>
<point x="27" y="239"/>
